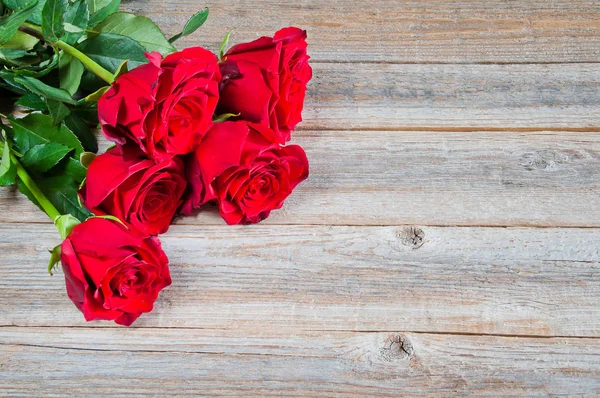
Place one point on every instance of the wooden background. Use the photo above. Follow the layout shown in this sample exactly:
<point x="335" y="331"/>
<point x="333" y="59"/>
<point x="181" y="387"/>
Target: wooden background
<point x="447" y="242"/>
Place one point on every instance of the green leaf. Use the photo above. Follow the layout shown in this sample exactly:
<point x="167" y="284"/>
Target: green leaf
<point x="43" y="157"/>
<point x="36" y="69"/>
<point x="224" y="44"/>
<point x="35" y="17"/>
<point x="8" y="170"/>
<point x="96" y="5"/>
<point x="138" y="28"/>
<point x="86" y="159"/>
<point x="112" y="218"/>
<point x="110" y="50"/>
<point x="100" y="9"/>
<point x="81" y="129"/>
<point x="78" y="16"/>
<point x="58" y="111"/>
<point x="72" y="168"/>
<point x="88" y="113"/>
<point x="11" y="84"/>
<point x="44" y="90"/>
<point x="53" y="25"/>
<point x="70" y="71"/>
<point x="62" y="191"/>
<point x="54" y="259"/>
<point x="33" y="102"/>
<point x="60" y="185"/>
<point x="12" y="58"/>
<point x="195" y="22"/>
<point x="224" y="117"/>
<point x="9" y="24"/>
<point x="96" y="95"/>
<point x="35" y="129"/>
<point x="21" y="41"/>
<point x="122" y="69"/>
<point x="65" y="224"/>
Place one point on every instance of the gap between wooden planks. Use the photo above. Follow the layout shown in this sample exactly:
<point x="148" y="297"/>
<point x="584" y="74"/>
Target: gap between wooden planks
<point x="540" y="179"/>
<point x="199" y="362"/>
<point x="506" y="281"/>
<point x="424" y="31"/>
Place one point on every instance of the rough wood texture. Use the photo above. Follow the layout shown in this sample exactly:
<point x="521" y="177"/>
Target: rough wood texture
<point x="404" y="97"/>
<point x="432" y="178"/>
<point x="217" y="362"/>
<point x="421" y="31"/>
<point x="462" y="280"/>
<point x="446" y="243"/>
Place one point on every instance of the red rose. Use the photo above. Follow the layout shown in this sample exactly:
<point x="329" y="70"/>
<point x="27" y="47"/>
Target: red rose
<point x="241" y="166"/>
<point x="164" y="107"/>
<point x="134" y="189"/>
<point x="113" y="273"/>
<point x="265" y="81"/>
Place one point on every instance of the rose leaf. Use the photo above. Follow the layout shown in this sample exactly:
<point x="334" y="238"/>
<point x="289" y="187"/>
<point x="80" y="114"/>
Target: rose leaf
<point x="9" y="24"/>
<point x="195" y="22"/>
<point x="53" y="24"/>
<point x="70" y="71"/>
<point x="43" y="157"/>
<point x="137" y="27"/>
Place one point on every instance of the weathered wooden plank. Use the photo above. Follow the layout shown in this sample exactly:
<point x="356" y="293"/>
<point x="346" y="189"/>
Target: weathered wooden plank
<point x="94" y="362"/>
<point x="431" y="31"/>
<point x="515" y="281"/>
<point x="388" y="97"/>
<point x="433" y="178"/>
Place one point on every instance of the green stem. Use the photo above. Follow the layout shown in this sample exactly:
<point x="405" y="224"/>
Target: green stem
<point x="87" y="61"/>
<point x="45" y="204"/>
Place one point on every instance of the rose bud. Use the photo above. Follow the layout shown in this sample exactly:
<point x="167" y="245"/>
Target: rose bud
<point x="165" y="106"/>
<point x="265" y="81"/>
<point x="241" y="167"/>
<point x="124" y="184"/>
<point x="111" y="272"/>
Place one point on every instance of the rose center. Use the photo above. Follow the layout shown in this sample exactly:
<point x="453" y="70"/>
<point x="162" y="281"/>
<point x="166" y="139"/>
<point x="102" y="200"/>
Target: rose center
<point x="127" y="281"/>
<point x="184" y="114"/>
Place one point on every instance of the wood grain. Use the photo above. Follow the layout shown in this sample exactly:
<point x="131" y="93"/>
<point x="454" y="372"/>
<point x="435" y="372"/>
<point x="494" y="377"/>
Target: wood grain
<point x="193" y="362"/>
<point x="446" y="243"/>
<point x="442" y="97"/>
<point x="424" y="31"/>
<point x="514" y="281"/>
<point x="432" y="178"/>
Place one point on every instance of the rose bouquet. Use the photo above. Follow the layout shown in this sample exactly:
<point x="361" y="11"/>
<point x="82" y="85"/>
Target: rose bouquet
<point x="190" y="129"/>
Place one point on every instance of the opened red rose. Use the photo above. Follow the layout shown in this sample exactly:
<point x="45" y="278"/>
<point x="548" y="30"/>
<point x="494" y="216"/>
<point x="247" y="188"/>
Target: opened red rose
<point x="165" y="106"/>
<point x="111" y="272"/>
<point x="265" y="81"/>
<point x="242" y="168"/>
<point x="124" y="184"/>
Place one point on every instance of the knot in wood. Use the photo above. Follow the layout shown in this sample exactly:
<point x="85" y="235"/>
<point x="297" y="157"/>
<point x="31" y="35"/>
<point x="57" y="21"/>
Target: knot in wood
<point x="396" y="347"/>
<point x="412" y="237"/>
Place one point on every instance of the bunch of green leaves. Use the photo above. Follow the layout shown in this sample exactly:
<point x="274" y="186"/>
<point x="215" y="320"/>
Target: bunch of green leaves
<point x="51" y="155"/>
<point x="34" y="65"/>
<point x="94" y="27"/>
<point x="48" y="49"/>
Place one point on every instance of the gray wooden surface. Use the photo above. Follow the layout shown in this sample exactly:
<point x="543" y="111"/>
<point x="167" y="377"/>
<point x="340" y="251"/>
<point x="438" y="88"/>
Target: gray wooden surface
<point x="447" y="242"/>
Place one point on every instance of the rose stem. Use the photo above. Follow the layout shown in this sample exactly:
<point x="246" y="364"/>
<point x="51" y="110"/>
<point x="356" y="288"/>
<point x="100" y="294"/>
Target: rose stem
<point x="35" y="190"/>
<point x="87" y="61"/>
